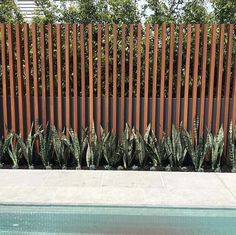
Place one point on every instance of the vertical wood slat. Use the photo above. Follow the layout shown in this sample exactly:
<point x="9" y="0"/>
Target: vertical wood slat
<point x="75" y="79"/>
<point x="99" y="82"/>
<point x="19" y="79"/>
<point x="186" y="81"/>
<point x="4" y="78"/>
<point x="51" y="73"/>
<point x="170" y="83"/>
<point x="114" y="104"/>
<point x="219" y="79"/>
<point x="179" y="75"/>
<point x="59" y="79"/>
<point x="90" y="48"/>
<point x="35" y="74"/>
<point x="162" y="85"/>
<point x="130" y="98"/>
<point x="195" y="75"/>
<point x="43" y="75"/>
<point x="122" y="107"/>
<point x="146" y="77"/>
<point x="82" y="75"/>
<point x="11" y="75"/>
<point x="106" y="78"/>
<point x="67" y="73"/>
<point x="234" y="95"/>
<point x="203" y="80"/>
<point x="154" y="83"/>
<point x="137" y="122"/>
<point x="227" y="83"/>
<point x="211" y="76"/>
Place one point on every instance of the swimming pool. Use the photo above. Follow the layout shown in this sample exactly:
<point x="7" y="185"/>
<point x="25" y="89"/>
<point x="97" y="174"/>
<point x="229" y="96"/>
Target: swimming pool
<point x="28" y="219"/>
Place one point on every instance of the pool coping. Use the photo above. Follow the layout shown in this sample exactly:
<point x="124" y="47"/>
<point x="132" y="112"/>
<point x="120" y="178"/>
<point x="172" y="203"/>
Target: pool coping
<point x="118" y="188"/>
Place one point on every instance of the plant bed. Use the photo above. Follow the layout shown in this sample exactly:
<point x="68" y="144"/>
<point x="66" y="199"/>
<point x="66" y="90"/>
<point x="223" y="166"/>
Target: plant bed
<point x="179" y="151"/>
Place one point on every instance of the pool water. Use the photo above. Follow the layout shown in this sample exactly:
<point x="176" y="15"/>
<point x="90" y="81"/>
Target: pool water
<point x="20" y="219"/>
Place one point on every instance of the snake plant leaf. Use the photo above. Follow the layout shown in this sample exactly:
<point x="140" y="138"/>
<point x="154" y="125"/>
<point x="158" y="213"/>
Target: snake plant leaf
<point x="4" y="145"/>
<point x="75" y="148"/>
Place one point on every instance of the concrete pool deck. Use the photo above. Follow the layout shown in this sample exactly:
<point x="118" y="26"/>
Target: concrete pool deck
<point x="131" y="188"/>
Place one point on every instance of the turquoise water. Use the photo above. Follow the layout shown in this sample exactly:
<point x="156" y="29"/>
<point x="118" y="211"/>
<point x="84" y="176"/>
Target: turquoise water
<point x="115" y="220"/>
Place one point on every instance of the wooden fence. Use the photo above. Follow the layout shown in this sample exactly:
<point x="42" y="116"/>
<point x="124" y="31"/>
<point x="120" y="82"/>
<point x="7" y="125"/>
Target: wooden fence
<point x="152" y="65"/>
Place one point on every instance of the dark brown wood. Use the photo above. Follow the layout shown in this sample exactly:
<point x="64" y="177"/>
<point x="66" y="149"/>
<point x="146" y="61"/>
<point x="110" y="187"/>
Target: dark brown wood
<point x="179" y="75"/>
<point x="67" y="71"/>
<point x="162" y="85"/>
<point x="114" y="104"/>
<point x="122" y="105"/>
<point x="130" y="98"/>
<point x="43" y="75"/>
<point x="227" y="82"/>
<point x="4" y="79"/>
<point x="195" y="75"/>
<point x="146" y="77"/>
<point x="75" y="79"/>
<point x="211" y="77"/>
<point x="35" y="74"/>
<point x="138" y="77"/>
<point x="19" y="79"/>
<point x="186" y="81"/>
<point x="59" y="80"/>
<point x="51" y="73"/>
<point x="219" y="81"/>
<point x="106" y="78"/>
<point x="203" y="80"/>
<point x="82" y="75"/>
<point x="170" y="83"/>
<point x="90" y="48"/>
<point x="99" y="82"/>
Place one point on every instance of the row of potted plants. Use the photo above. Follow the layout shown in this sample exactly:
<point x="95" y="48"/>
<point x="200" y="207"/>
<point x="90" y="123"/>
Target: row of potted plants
<point x="181" y="150"/>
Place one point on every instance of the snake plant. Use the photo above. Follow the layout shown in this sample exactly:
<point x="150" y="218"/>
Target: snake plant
<point x="14" y="151"/>
<point x="45" y="145"/>
<point x="155" y="149"/>
<point x="109" y="149"/>
<point x="217" y="146"/>
<point x="126" y="147"/>
<point x="4" y="146"/>
<point x="140" y="145"/>
<point x="196" y="147"/>
<point x="175" y="148"/>
<point x="61" y="146"/>
<point x="231" y="147"/>
<point x="27" y="148"/>
<point x="75" y="148"/>
<point x="94" y="150"/>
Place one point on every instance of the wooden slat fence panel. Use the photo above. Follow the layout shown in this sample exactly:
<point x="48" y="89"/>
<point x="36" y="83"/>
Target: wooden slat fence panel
<point x="11" y="76"/>
<point x="122" y="106"/>
<point x="114" y="104"/>
<point x="186" y="81"/>
<point x="59" y="79"/>
<point x="203" y="80"/>
<point x="16" y="62"/>
<point x="195" y="75"/>
<point x="154" y="79"/>
<point x="179" y="75"/>
<point x="43" y="75"/>
<point x="170" y="84"/>
<point x="4" y="79"/>
<point x="211" y="76"/>
<point x="137" y="122"/>
<point x="146" y="77"/>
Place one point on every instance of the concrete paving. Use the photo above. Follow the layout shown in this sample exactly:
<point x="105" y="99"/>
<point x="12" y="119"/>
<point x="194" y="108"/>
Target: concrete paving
<point x="134" y="188"/>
